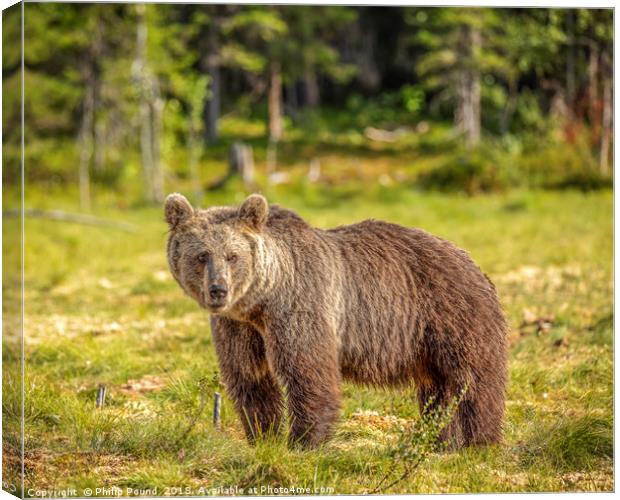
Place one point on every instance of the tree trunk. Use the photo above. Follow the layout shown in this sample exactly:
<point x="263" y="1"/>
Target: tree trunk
<point x="146" y="141"/>
<point x="272" y="158"/>
<point x="193" y="142"/>
<point x="99" y="146"/>
<point x="292" y="104"/>
<point x="607" y="123"/>
<point x="157" y="107"/>
<point x="570" y="60"/>
<point x="311" y="86"/>
<point x="241" y="162"/>
<point x="86" y="143"/>
<point x="146" y="130"/>
<point x="211" y="67"/>
<point x="467" y="113"/>
<point x="151" y="106"/>
<point x="99" y="128"/>
<point x="593" y="97"/>
<point x="275" y="102"/>
<point x="212" y="106"/>
<point x="473" y="128"/>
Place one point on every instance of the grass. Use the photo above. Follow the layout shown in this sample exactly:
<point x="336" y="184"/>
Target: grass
<point x="102" y="308"/>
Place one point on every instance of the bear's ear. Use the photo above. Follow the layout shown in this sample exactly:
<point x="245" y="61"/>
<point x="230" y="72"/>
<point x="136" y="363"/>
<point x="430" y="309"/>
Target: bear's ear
<point x="253" y="212"/>
<point x="177" y="209"/>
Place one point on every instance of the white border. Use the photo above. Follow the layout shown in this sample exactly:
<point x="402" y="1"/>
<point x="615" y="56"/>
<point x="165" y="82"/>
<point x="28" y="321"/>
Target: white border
<point x="480" y="3"/>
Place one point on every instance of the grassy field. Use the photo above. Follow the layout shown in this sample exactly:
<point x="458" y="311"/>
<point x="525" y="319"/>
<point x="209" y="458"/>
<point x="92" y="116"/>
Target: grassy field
<point x="102" y="308"/>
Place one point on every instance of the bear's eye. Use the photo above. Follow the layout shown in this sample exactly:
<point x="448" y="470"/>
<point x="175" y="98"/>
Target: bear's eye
<point x="203" y="257"/>
<point x="232" y="258"/>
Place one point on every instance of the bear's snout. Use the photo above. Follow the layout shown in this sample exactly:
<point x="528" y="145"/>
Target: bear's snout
<point x="218" y="292"/>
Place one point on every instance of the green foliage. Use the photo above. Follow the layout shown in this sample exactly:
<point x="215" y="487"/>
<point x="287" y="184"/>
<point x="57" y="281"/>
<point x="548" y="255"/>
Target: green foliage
<point x="412" y="98"/>
<point x="470" y="171"/>
<point x="521" y="63"/>
<point x="517" y="161"/>
<point x="299" y="37"/>
<point x="551" y="163"/>
<point x="444" y="33"/>
<point x="529" y="118"/>
<point x="532" y="41"/>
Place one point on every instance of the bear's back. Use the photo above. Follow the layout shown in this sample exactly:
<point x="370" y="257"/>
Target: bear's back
<point x="402" y="283"/>
<point x="388" y="243"/>
<point x="280" y="217"/>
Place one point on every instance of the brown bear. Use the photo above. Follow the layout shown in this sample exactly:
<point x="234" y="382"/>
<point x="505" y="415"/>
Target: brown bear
<point x="301" y="309"/>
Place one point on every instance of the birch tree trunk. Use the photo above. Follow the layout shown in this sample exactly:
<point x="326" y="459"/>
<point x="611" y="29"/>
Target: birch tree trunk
<point x="157" y="108"/>
<point x="607" y="118"/>
<point x="146" y="131"/>
<point x="99" y="141"/>
<point x="146" y="151"/>
<point x="151" y="108"/>
<point x="570" y="60"/>
<point x="193" y="143"/>
<point x="210" y="66"/>
<point x="86" y="144"/>
<point x="275" y="101"/>
<point x="467" y="113"/>
<point x="275" y="116"/>
<point x="593" y="82"/>
<point x="473" y="115"/>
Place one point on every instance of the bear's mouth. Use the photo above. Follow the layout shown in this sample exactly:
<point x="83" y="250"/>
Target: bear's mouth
<point x="215" y="306"/>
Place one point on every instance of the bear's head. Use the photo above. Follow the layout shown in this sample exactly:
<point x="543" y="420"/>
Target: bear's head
<point x="213" y="253"/>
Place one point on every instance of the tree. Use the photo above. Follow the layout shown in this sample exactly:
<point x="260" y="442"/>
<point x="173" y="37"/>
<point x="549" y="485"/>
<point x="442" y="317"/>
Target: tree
<point x="197" y="92"/>
<point x="309" y="48"/>
<point x="208" y="19"/>
<point x="227" y="37"/>
<point x="594" y="34"/>
<point x="69" y="100"/>
<point x="459" y="49"/>
<point x="151" y="106"/>
<point x="530" y="41"/>
<point x="94" y="122"/>
<point x="261" y="32"/>
<point x="282" y="45"/>
<point x="11" y="93"/>
<point x="164" y="77"/>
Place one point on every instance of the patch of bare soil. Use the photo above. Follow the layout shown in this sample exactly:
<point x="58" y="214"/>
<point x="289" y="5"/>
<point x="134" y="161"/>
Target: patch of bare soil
<point x="148" y="383"/>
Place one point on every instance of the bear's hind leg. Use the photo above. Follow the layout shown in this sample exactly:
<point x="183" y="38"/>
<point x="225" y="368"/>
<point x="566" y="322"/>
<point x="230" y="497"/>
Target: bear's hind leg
<point x="437" y="392"/>
<point x="437" y="397"/>
<point x="477" y="420"/>
<point x="481" y="414"/>
<point x="246" y="375"/>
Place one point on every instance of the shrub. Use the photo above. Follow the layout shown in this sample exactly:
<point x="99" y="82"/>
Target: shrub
<point x="478" y="171"/>
<point x="560" y="165"/>
<point x="538" y="161"/>
<point x="415" y="443"/>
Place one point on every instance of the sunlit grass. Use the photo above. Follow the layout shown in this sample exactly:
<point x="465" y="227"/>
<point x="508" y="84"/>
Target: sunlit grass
<point x="101" y="308"/>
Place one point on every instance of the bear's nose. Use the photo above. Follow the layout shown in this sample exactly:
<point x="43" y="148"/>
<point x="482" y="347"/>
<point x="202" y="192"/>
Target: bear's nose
<point x="217" y="291"/>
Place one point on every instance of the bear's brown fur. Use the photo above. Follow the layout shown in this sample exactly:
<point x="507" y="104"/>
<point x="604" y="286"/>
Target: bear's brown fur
<point x="303" y="308"/>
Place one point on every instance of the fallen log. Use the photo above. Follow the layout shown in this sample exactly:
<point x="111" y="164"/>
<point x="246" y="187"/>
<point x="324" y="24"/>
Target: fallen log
<point x="59" y="215"/>
<point x="379" y="135"/>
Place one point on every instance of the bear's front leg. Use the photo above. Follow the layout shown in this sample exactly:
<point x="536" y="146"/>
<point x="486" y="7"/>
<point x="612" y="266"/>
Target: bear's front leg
<point x="303" y="351"/>
<point x="246" y="376"/>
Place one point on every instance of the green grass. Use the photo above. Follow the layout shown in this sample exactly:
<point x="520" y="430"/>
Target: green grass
<point x="101" y="307"/>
